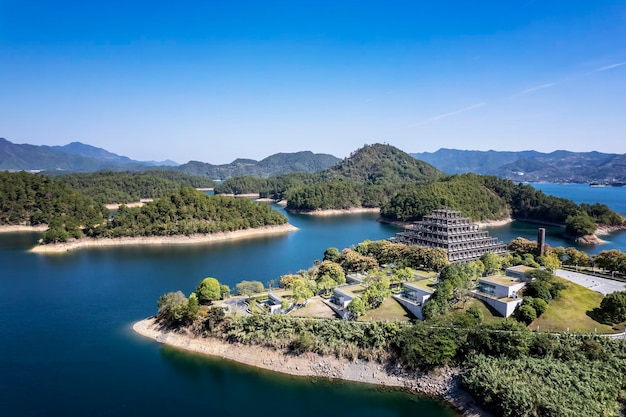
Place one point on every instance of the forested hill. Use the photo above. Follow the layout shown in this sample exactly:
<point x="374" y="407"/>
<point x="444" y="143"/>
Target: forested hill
<point x="276" y="164"/>
<point x="489" y="198"/>
<point x="186" y="212"/>
<point x="126" y="187"/>
<point x="380" y="164"/>
<point x="368" y="178"/>
<point x="532" y="166"/>
<point x="29" y="199"/>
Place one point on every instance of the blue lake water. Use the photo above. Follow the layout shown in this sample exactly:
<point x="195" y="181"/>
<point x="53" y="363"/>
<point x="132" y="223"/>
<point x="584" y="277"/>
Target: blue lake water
<point x="66" y="347"/>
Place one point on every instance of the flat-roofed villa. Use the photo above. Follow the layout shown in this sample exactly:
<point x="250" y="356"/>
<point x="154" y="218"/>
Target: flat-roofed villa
<point x="500" y="292"/>
<point x="343" y="295"/>
<point x="414" y="295"/>
<point x="448" y="230"/>
<point x="519" y="272"/>
<point x="274" y="303"/>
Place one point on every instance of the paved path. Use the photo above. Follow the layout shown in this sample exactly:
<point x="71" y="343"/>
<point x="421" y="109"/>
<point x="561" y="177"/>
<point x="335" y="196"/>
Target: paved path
<point x="602" y="285"/>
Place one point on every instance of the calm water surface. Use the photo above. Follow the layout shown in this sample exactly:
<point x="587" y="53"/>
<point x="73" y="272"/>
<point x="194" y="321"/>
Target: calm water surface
<point x="66" y="347"/>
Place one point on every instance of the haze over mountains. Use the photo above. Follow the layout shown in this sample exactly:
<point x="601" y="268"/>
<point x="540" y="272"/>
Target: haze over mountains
<point x="532" y="166"/>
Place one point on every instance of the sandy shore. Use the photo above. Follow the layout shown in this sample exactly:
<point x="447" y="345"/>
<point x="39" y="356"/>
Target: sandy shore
<point x="494" y="223"/>
<point x="164" y="240"/>
<point x="354" y="210"/>
<point x="23" y="228"/>
<point x="443" y="383"/>
<point x="140" y="203"/>
<point x="249" y="195"/>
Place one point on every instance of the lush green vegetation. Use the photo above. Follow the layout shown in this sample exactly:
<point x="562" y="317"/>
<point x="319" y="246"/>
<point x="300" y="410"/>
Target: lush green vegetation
<point x="484" y="197"/>
<point x="466" y="193"/>
<point x="407" y="189"/>
<point x="511" y="370"/>
<point x="371" y="176"/>
<point x="28" y="199"/>
<point x="187" y="212"/>
<point x="126" y="187"/>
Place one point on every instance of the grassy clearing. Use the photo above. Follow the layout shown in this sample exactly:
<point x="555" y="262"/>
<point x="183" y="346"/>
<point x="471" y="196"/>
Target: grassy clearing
<point x="389" y="310"/>
<point x="490" y="316"/>
<point x="315" y="308"/>
<point x="570" y="311"/>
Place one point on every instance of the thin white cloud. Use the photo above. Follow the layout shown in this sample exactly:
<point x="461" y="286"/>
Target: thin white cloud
<point x="531" y="89"/>
<point x="608" y="67"/>
<point x="452" y="113"/>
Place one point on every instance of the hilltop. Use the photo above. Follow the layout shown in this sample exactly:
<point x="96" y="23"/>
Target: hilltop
<point x="280" y="163"/>
<point x="381" y="163"/>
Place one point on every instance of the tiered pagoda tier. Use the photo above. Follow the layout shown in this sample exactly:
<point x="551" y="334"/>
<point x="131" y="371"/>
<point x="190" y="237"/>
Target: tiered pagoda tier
<point x="446" y="229"/>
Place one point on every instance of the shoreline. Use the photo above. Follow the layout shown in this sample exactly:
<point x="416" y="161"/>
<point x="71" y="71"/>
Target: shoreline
<point x="164" y="240"/>
<point x="443" y="383"/>
<point x="14" y="228"/>
<point x="140" y="203"/>
<point x="336" y="212"/>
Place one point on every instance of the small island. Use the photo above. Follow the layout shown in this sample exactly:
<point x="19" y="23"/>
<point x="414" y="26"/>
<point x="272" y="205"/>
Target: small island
<point x="73" y="220"/>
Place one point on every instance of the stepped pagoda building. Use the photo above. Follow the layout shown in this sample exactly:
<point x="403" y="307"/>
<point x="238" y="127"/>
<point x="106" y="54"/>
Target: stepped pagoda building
<point x="446" y="229"/>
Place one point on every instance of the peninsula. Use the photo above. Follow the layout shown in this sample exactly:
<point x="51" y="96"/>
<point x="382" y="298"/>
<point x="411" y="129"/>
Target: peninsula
<point x="198" y="238"/>
<point x="443" y="383"/>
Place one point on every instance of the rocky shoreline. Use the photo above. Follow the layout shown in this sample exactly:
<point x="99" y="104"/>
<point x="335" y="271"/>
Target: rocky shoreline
<point x="14" y="228"/>
<point x="441" y="383"/>
<point x="164" y="240"/>
<point x="337" y="212"/>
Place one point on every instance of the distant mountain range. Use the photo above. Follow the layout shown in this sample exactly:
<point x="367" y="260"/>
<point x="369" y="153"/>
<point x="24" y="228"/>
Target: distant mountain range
<point x="79" y="157"/>
<point x="532" y="166"/>
<point x="74" y="157"/>
<point x="280" y="163"/>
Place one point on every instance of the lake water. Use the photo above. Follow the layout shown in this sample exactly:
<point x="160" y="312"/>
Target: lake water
<point x="67" y="349"/>
<point x="614" y="197"/>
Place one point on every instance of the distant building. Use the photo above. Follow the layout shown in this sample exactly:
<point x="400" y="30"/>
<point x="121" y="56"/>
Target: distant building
<point x="462" y="240"/>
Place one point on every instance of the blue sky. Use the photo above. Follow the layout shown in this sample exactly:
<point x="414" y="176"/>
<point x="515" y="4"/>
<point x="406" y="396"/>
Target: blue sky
<point x="213" y="81"/>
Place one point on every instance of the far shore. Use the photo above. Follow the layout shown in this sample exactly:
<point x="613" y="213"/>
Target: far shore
<point x="140" y="203"/>
<point x="335" y="212"/>
<point x="443" y="383"/>
<point x="494" y="223"/>
<point x="164" y="240"/>
<point x="12" y="228"/>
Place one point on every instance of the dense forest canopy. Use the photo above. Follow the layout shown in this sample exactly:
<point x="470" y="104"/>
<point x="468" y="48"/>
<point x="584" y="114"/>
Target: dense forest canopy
<point x="406" y="189"/>
<point x="484" y="197"/>
<point x="29" y="199"/>
<point x="126" y="187"/>
<point x="187" y="212"/>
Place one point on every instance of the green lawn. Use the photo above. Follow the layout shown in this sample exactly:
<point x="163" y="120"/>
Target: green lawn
<point x="570" y="311"/>
<point x="389" y="310"/>
<point x="490" y="316"/>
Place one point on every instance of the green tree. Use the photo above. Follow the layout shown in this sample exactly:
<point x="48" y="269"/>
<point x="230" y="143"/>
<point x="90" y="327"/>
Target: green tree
<point x="173" y="308"/>
<point x="301" y="291"/>
<point x="333" y="270"/>
<point x="356" y="307"/>
<point x="492" y="263"/>
<point x="224" y="291"/>
<point x="208" y="290"/>
<point x="193" y="307"/>
<point x="249" y="287"/>
<point x="527" y="313"/>
<point x="331" y="254"/>
<point x="613" y="307"/>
